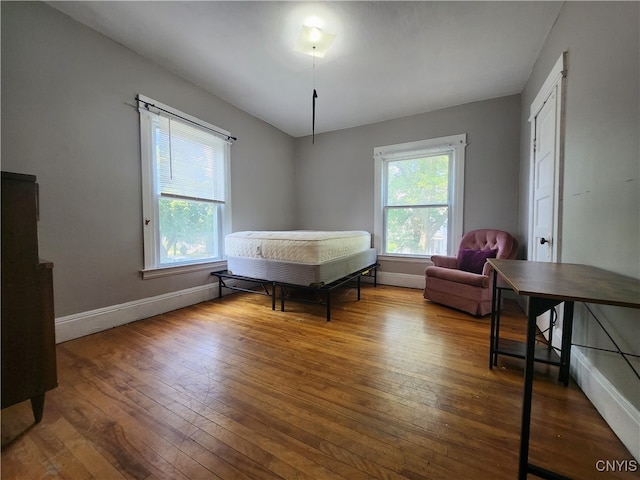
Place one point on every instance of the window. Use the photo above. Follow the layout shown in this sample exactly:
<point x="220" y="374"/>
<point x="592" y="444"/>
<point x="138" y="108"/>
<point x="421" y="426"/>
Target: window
<point x="419" y="197"/>
<point x="185" y="185"/>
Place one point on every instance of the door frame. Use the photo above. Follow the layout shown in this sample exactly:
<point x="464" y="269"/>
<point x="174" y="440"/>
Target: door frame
<point x="556" y="80"/>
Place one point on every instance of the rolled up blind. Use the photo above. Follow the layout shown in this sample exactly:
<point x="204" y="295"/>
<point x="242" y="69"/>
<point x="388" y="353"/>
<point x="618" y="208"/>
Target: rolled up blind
<point x="190" y="160"/>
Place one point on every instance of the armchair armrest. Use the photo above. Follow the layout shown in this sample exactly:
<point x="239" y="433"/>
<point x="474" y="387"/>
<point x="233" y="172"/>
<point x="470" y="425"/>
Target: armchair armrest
<point x="444" y="261"/>
<point x="458" y="276"/>
<point x="487" y="269"/>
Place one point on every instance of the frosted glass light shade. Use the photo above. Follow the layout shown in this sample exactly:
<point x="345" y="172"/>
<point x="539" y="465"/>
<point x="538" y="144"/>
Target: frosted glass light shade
<point x="314" y="37"/>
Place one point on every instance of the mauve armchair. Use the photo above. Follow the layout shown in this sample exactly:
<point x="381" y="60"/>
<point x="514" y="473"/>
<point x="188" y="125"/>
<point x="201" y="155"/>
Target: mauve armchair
<point x="465" y="282"/>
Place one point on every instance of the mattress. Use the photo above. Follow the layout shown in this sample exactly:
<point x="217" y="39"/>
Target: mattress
<point x="300" y="246"/>
<point x="301" y="257"/>
<point x="305" y="274"/>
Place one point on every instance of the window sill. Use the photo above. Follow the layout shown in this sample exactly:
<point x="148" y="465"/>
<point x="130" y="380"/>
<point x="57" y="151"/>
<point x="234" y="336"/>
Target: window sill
<point x="405" y="258"/>
<point x="181" y="269"/>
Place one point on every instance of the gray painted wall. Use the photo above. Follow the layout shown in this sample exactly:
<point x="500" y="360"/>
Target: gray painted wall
<point x="68" y="118"/>
<point x="335" y="176"/>
<point x="601" y="211"/>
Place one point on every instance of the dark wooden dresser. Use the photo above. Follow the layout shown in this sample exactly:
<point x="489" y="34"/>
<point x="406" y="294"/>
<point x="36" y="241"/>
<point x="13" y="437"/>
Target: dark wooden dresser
<point x="28" y="332"/>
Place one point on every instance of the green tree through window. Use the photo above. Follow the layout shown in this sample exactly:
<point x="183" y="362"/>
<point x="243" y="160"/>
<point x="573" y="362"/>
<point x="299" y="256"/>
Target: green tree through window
<point x="417" y="205"/>
<point x="185" y="187"/>
<point x="419" y="196"/>
<point x="186" y="229"/>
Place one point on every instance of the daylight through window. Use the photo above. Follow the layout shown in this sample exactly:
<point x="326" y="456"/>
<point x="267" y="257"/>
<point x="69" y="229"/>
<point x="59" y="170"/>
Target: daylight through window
<point x="419" y="196"/>
<point x="185" y="189"/>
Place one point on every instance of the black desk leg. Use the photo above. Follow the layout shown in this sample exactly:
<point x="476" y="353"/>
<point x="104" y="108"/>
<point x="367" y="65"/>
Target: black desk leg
<point x="536" y="307"/>
<point x="565" y="354"/>
<point x="496" y="342"/>
<point x="494" y="312"/>
<point x="528" y="390"/>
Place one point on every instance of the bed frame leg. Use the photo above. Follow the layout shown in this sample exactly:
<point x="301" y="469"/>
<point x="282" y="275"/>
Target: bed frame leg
<point x="273" y="295"/>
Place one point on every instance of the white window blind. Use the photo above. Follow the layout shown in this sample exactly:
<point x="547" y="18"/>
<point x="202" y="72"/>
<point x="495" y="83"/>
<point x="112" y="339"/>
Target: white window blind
<point x="190" y="161"/>
<point x="185" y="185"/>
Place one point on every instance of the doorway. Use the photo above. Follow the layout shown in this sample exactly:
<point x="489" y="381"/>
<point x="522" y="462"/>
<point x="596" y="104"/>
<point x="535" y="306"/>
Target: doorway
<point x="545" y="183"/>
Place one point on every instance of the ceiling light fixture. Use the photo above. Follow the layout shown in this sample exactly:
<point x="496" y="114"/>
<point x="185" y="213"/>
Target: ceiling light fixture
<point x="315" y="42"/>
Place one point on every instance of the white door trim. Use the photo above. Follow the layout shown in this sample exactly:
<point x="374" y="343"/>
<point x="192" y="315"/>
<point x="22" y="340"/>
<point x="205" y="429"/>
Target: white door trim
<point x="555" y="82"/>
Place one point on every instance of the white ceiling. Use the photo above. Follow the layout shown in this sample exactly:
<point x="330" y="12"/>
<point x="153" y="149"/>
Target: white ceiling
<point x="388" y="60"/>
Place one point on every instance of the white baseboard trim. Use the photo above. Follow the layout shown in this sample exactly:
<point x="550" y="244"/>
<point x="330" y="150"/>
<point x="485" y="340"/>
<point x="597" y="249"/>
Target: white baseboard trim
<point x="401" y="280"/>
<point x="93" y="321"/>
<point x="622" y="416"/>
<point x="85" y="323"/>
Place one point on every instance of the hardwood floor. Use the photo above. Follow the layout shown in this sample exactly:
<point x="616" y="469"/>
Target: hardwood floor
<point x="393" y="387"/>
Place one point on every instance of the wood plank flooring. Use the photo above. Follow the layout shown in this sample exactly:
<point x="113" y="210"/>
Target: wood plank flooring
<point x="394" y="387"/>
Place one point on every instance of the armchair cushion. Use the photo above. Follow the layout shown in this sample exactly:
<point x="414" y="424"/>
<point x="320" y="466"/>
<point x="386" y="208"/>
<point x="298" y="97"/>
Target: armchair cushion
<point x="473" y="261"/>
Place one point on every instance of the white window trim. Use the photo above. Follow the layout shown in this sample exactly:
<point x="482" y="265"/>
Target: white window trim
<point x="452" y="143"/>
<point x="150" y="216"/>
<point x="183" y="268"/>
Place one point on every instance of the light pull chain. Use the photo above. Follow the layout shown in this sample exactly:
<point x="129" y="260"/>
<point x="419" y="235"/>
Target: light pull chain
<point x="315" y="95"/>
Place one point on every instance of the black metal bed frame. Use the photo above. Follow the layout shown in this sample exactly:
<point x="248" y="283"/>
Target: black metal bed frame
<point x="270" y="287"/>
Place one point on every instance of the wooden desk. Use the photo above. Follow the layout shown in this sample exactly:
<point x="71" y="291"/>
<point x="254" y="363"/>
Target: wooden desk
<point x="547" y="285"/>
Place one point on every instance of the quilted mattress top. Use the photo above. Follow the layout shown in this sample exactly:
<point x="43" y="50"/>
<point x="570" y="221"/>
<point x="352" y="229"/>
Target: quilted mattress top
<point x="301" y="246"/>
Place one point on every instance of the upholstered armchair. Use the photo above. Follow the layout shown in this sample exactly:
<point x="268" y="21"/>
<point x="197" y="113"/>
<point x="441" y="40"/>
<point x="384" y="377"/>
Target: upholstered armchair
<point x="465" y="281"/>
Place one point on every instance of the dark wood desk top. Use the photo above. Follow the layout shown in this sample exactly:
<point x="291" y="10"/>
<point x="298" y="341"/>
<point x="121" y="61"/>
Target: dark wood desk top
<point x="570" y="282"/>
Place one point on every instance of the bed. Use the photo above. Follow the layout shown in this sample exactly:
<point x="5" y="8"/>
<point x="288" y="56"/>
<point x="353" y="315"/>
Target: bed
<point x="309" y="259"/>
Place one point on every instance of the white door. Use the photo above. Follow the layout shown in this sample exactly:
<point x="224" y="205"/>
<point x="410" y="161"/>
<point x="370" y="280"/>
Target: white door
<point x="547" y="137"/>
<point x="547" y="132"/>
<point x="544" y="201"/>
